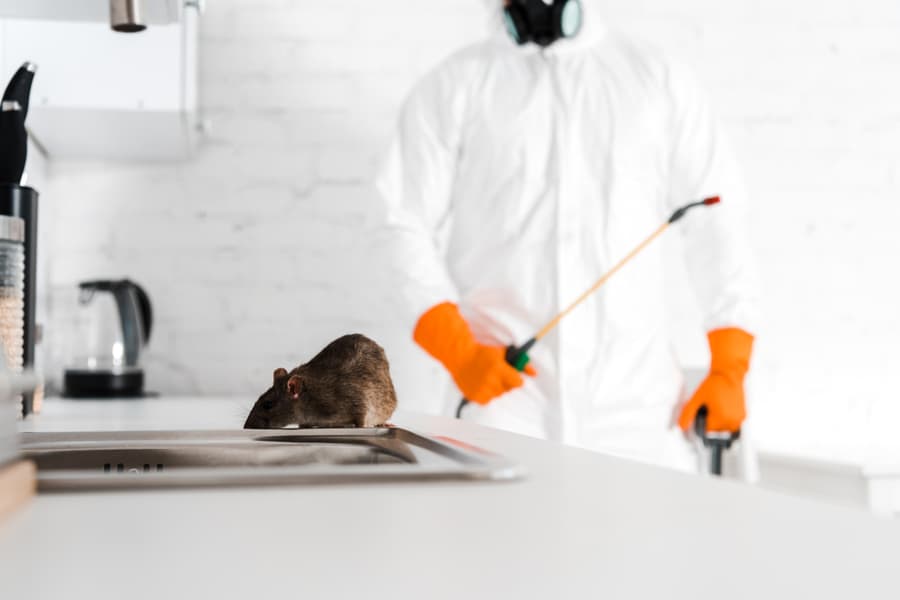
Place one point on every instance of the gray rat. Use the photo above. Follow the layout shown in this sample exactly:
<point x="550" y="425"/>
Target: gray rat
<point x="347" y="384"/>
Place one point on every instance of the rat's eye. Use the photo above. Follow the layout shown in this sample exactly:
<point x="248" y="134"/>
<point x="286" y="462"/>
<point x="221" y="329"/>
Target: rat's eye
<point x="267" y="404"/>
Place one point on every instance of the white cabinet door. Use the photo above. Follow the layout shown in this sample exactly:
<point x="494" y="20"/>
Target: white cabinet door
<point x="87" y="65"/>
<point x="155" y="11"/>
<point x="102" y="94"/>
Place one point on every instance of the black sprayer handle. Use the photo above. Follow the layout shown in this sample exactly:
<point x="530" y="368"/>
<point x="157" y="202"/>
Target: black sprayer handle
<point x="516" y="357"/>
<point x="717" y="443"/>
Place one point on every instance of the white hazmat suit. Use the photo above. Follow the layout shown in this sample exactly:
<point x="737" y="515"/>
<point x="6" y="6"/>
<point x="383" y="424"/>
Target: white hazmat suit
<point x="520" y="175"/>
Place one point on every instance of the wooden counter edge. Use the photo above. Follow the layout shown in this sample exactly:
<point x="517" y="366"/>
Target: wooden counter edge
<point x="18" y="483"/>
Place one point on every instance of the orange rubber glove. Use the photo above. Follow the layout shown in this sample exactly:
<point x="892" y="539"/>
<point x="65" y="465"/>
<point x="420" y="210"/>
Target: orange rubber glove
<point x="722" y="392"/>
<point x="480" y="371"/>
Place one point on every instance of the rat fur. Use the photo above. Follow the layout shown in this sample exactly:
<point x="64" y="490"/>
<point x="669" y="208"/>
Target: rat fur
<point x="347" y="384"/>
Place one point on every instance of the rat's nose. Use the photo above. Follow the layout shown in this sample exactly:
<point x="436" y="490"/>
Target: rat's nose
<point x="256" y="422"/>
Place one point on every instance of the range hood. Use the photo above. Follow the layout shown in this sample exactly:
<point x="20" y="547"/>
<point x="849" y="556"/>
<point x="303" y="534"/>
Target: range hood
<point x="155" y="12"/>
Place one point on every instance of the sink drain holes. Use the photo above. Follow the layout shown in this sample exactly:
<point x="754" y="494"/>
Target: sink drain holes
<point x="120" y="468"/>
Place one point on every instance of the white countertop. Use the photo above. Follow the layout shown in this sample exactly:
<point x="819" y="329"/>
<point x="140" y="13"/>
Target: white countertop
<point x="580" y="525"/>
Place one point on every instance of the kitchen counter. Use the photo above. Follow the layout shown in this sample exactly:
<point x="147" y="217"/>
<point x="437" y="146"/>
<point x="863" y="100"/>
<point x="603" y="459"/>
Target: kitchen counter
<point x="579" y="525"/>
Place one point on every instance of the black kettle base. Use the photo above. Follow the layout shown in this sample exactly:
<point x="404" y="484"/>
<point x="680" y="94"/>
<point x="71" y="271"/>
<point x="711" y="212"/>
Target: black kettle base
<point x="103" y="384"/>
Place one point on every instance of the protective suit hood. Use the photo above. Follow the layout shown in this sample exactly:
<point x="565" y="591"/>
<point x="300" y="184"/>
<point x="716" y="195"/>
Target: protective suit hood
<point x="592" y="29"/>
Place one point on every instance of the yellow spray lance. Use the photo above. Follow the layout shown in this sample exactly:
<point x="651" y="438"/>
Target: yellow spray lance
<point x="517" y="356"/>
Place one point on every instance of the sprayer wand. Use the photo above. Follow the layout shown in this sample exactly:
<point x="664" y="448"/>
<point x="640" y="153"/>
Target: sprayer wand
<point x="517" y="356"/>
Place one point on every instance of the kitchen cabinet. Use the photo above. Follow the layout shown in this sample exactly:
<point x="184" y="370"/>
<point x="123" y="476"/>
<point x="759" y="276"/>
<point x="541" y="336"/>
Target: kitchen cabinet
<point x="156" y="12"/>
<point x="103" y="94"/>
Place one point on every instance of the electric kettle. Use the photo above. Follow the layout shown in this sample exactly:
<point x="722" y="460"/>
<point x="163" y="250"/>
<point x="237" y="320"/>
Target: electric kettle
<point x="113" y="322"/>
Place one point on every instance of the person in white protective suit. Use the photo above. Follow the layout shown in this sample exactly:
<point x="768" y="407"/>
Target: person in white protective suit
<point x="524" y="167"/>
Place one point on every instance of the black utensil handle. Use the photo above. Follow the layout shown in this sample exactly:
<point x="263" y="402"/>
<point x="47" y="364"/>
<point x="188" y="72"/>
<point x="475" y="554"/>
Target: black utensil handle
<point x="19" y="87"/>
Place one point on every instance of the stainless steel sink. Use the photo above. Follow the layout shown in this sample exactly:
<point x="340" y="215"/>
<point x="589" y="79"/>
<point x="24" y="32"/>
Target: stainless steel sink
<point x="166" y="459"/>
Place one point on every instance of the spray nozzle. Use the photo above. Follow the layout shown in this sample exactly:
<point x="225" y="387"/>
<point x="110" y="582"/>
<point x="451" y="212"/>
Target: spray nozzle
<point x="684" y="209"/>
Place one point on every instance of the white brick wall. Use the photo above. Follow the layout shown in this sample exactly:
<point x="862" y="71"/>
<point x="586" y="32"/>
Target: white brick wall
<point x="253" y="251"/>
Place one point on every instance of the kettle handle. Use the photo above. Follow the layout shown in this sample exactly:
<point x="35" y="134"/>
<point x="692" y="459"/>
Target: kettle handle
<point x="146" y="309"/>
<point x="121" y="291"/>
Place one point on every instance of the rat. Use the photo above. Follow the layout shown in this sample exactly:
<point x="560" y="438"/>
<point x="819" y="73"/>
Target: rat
<point x="347" y="384"/>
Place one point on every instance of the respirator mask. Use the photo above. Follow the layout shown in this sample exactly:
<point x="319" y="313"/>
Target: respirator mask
<point x="542" y="21"/>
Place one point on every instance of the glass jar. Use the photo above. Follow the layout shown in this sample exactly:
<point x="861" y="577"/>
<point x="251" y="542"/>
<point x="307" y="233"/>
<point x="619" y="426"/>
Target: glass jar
<point x="12" y="291"/>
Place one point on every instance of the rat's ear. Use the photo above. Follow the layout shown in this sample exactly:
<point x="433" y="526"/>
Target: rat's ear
<point x="293" y="387"/>
<point x="278" y="374"/>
